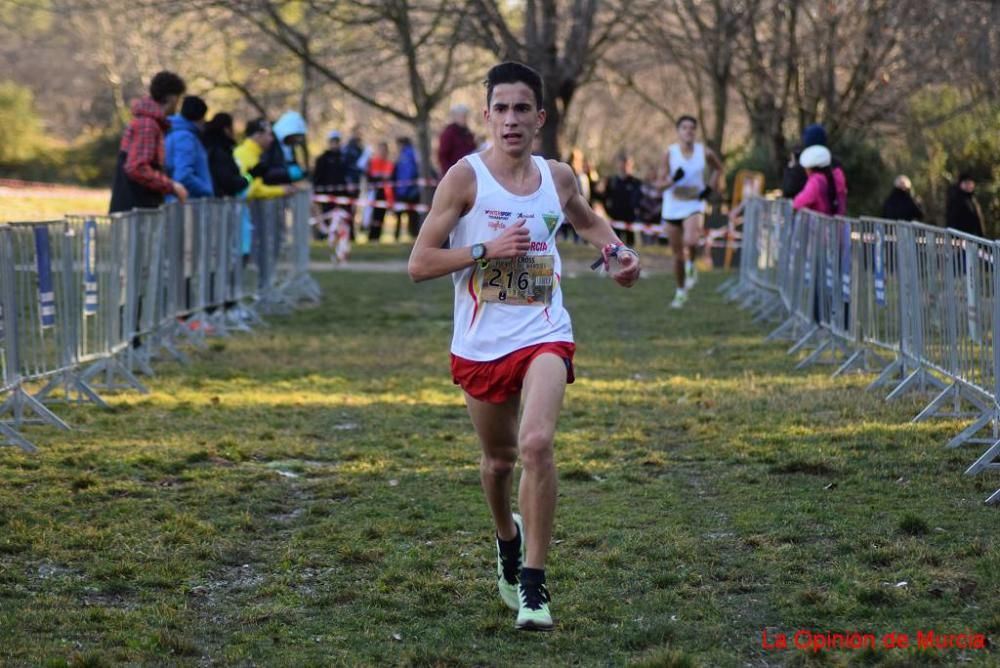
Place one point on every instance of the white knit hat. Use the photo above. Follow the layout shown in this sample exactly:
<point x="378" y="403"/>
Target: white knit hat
<point x="815" y="156"/>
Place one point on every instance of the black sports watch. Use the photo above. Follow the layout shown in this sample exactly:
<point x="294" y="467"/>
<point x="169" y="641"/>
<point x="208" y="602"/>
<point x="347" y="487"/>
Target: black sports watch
<point x="478" y="252"/>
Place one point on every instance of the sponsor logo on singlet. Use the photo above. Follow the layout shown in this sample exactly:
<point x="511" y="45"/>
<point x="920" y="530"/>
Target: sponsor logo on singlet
<point x="497" y="219"/>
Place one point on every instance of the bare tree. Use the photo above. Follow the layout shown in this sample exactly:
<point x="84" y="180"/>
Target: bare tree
<point x="354" y="44"/>
<point x="564" y="40"/>
<point x="697" y="41"/>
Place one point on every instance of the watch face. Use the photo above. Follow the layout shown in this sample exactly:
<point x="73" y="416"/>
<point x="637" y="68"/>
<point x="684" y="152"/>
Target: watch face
<point x="478" y="251"/>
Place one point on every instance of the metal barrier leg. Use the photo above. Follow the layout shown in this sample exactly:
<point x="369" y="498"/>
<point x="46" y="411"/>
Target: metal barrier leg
<point x="787" y="330"/>
<point x="889" y="373"/>
<point x="20" y="399"/>
<point x="920" y="377"/>
<point x="805" y="340"/>
<point x="967" y="435"/>
<point x="13" y="438"/>
<point x="71" y="382"/>
<point x="768" y="310"/>
<point x="986" y="461"/>
<point x="953" y="393"/>
<point x="112" y="367"/>
<point x="864" y="356"/>
<point x="831" y="345"/>
<point x="140" y="358"/>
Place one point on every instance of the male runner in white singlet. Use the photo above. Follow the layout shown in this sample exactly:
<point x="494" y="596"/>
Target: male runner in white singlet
<point x="513" y="341"/>
<point x="683" y="175"/>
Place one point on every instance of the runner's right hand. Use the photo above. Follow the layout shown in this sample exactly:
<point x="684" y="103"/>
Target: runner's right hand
<point x="512" y="242"/>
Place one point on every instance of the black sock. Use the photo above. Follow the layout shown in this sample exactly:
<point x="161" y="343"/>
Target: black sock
<point x="532" y="576"/>
<point x="511" y="549"/>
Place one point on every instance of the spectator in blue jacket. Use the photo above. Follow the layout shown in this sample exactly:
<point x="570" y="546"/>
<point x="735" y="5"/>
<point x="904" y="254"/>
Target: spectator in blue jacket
<point x="186" y="157"/>
<point x="407" y="191"/>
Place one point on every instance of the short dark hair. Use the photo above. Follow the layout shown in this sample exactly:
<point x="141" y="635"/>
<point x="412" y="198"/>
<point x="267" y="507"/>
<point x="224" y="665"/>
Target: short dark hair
<point x="219" y="123"/>
<point x="965" y="176"/>
<point x="255" y="126"/>
<point x="165" y="84"/>
<point x="512" y="72"/>
<point x="687" y="117"/>
<point x="193" y="108"/>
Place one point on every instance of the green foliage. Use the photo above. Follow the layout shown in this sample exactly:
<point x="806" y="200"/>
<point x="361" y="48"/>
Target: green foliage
<point x="755" y="157"/>
<point x="868" y="177"/>
<point x="20" y="128"/>
<point x="28" y="18"/>
<point x="946" y="135"/>
<point x="90" y="162"/>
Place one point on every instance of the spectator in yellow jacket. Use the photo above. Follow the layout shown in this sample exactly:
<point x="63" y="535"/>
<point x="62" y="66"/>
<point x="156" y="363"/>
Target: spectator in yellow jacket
<point x="259" y="138"/>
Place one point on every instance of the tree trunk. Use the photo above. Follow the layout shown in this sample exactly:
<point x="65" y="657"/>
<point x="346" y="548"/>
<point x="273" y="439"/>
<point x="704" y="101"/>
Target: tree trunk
<point x="550" y="131"/>
<point x="422" y="127"/>
<point x="720" y="108"/>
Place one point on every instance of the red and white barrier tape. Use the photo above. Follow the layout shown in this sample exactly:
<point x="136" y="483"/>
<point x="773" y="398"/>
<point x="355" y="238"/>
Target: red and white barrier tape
<point x="355" y="187"/>
<point x="377" y="203"/>
<point x="710" y="238"/>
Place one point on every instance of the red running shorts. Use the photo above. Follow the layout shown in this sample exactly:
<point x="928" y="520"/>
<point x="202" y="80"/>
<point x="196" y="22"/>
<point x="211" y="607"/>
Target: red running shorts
<point x="498" y="380"/>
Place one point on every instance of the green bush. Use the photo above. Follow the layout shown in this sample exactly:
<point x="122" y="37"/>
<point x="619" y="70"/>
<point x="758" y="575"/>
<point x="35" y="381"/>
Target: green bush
<point x="20" y="129"/>
<point x="90" y="162"/>
<point x="868" y="177"/>
<point x="946" y="134"/>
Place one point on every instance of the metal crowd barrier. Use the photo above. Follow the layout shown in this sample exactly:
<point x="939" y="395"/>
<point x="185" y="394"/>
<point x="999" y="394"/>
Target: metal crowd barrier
<point x="856" y="292"/>
<point x="87" y="303"/>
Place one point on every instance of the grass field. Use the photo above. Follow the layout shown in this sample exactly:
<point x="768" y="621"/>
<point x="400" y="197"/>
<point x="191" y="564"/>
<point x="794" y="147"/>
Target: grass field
<point x="49" y="204"/>
<point x="309" y="496"/>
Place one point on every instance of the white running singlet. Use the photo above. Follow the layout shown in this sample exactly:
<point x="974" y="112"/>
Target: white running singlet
<point x="693" y="181"/>
<point x="488" y="330"/>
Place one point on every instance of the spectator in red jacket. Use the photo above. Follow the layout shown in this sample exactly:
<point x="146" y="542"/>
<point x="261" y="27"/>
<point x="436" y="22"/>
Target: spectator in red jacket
<point x="457" y="140"/>
<point x="141" y="179"/>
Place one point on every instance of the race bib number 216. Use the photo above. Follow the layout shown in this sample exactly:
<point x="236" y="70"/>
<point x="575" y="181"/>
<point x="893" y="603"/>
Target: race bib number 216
<point x="520" y="281"/>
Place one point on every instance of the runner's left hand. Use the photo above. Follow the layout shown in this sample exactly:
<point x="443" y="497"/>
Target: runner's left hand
<point x="627" y="269"/>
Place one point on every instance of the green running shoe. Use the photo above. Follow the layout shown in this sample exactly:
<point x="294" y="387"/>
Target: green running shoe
<point x="690" y="276"/>
<point x="534" y="614"/>
<point x="508" y="573"/>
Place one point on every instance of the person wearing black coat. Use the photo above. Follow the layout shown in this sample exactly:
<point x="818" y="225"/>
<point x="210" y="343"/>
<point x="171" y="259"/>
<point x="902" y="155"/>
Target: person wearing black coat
<point x="622" y="195"/>
<point x="330" y="178"/>
<point x="900" y="204"/>
<point x="220" y="140"/>
<point x="963" y="212"/>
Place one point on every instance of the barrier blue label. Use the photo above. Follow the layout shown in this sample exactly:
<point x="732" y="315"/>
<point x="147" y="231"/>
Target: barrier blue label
<point x="828" y="255"/>
<point x="89" y="267"/>
<point x="845" y="263"/>
<point x="971" y="281"/>
<point x="46" y="297"/>
<point x="879" y="269"/>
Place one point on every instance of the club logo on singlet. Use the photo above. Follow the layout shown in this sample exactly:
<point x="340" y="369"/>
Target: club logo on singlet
<point x="551" y="220"/>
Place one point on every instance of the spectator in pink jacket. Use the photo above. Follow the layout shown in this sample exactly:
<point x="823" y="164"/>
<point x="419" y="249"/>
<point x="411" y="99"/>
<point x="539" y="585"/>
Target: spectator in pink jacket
<point x="826" y="186"/>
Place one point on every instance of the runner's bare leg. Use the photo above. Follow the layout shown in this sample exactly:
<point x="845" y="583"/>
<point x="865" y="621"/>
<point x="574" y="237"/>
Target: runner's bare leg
<point x="692" y="231"/>
<point x="496" y="426"/>
<point x="675" y="234"/>
<point x="544" y="387"/>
